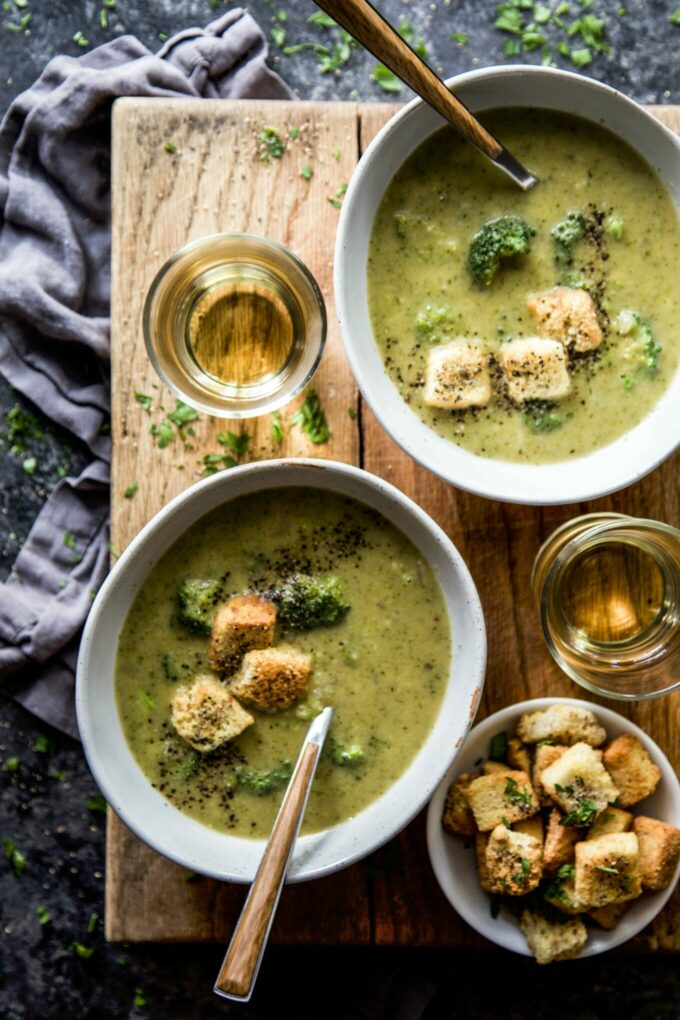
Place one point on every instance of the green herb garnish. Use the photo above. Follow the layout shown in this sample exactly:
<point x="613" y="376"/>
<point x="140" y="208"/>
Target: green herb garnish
<point x="15" y="857"/>
<point x="272" y="146"/>
<point x="44" y="915"/>
<point x="498" y="748"/>
<point x="312" y="419"/>
<point x="131" y="490"/>
<point x="515" y="795"/>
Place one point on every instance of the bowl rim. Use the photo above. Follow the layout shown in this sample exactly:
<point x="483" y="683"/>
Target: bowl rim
<point x="503" y="931"/>
<point x="416" y="438"/>
<point x="454" y="570"/>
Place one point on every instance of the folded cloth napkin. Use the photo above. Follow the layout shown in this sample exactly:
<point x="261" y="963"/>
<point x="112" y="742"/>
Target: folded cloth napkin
<point x="54" y="306"/>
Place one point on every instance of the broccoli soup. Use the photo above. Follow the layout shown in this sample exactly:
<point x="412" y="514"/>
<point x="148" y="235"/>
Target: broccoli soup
<point x="530" y="326"/>
<point x="262" y="613"/>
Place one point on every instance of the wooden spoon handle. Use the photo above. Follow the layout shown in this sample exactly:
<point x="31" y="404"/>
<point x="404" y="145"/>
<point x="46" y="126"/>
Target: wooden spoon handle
<point x="239" y="969"/>
<point x="361" y="20"/>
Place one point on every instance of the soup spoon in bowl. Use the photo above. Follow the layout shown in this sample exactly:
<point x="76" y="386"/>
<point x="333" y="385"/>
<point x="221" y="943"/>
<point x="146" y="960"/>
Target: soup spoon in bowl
<point x="237" y="976"/>
<point x="367" y="26"/>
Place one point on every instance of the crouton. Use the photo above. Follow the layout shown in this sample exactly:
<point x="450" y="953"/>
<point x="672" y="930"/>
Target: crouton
<point x="206" y="715"/>
<point x="631" y="768"/>
<point x="579" y="783"/>
<point x="503" y="796"/>
<point x="457" y="816"/>
<point x="558" y="847"/>
<point x="561" y="894"/>
<point x="545" y="755"/>
<point x="241" y="624"/>
<point x="457" y="375"/>
<point x="272" y="679"/>
<point x="483" y="877"/>
<point x="611" y="820"/>
<point x="567" y="314"/>
<point x="489" y="767"/>
<point x="518" y="756"/>
<point x="535" y="369"/>
<point x="659" y="845"/>
<point x="562" y="723"/>
<point x="513" y="861"/>
<point x="549" y="942"/>
<point x="531" y="827"/>
<point x="607" y="869"/>
<point x="608" y="917"/>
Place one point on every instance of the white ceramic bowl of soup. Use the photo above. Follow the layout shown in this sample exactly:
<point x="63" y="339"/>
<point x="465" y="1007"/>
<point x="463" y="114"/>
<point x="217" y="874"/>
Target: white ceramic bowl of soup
<point x="218" y="854"/>
<point x="606" y="469"/>
<point x="453" y="858"/>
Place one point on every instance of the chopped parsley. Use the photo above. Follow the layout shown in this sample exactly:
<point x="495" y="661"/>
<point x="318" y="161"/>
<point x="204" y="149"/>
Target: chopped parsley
<point x="44" y="744"/>
<point x="80" y="39"/>
<point x="460" y="37"/>
<point x="69" y="540"/>
<point x="92" y="923"/>
<point x="147" y="700"/>
<point x="277" y="427"/>
<point x="278" y="35"/>
<point x="312" y="419"/>
<point x="307" y="172"/>
<point x="140" y="999"/>
<point x="515" y="795"/>
<point x="608" y="869"/>
<point x="170" y="147"/>
<point x="12" y="764"/>
<point x="29" y="465"/>
<point x="674" y="18"/>
<point x="385" y="79"/>
<point x="144" y="400"/>
<point x="188" y="768"/>
<point x="15" y="857"/>
<point x="44" y="915"/>
<point x="271" y="145"/>
<point x="237" y="442"/>
<point x="81" y="950"/>
<point x="336" y="153"/>
<point x="582" y="816"/>
<point x="97" y="804"/>
<point x="131" y="490"/>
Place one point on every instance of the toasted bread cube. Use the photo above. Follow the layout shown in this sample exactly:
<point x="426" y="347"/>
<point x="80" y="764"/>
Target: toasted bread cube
<point x="272" y="679"/>
<point x="513" y="861"/>
<point x="659" y="845"/>
<point x="518" y="756"/>
<point x="631" y="768"/>
<point x="483" y="877"/>
<point x="457" y="375"/>
<point x="608" y="917"/>
<point x="531" y="827"/>
<point x="562" y="894"/>
<point x="535" y="369"/>
<point x="578" y="782"/>
<point x="567" y="314"/>
<point x="607" y="869"/>
<point x="549" y="942"/>
<point x="206" y="715"/>
<point x="545" y="755"/>
<point x="501" y="796"/>
<point x="558" y="848"/>
<point x="562" y="723"/>
<point x="489" y="767"/>
<point x="242" y="623"/>
<point x="457" y="816"/>
<point x="611" y="820"/>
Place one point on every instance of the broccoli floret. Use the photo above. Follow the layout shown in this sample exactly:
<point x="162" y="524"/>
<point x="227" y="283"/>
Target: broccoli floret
<point x="498" y="239"/>
<point x="170" y="670"/>
<point x="196" y="601"/>
<point x="639" y="350"/>
<point x="565" y="234"/>
<point x="541" y="417"/>
<point x="346" y="754"/>
<point x="264" y="781"/>
<point x="305" y="602"/>
<point x="435" y="324"/>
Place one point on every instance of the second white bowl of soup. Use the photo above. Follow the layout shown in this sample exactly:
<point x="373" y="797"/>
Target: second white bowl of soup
<point x="523" y="346"/>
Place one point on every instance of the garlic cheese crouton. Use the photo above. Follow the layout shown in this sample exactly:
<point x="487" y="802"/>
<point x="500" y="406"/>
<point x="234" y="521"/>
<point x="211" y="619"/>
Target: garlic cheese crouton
<point x="503" y="795"/>
<point x="659" y="845"/>
<point x="631" y="768"/>
<point x="579" y="783"/>
<point x="518" y="756"/>
<point x="545" y="755"/>
<point x="483" y="877"/>
<point x="489" y="767"/>
<point x="272" y="679"/>
<point x="513" y="861"/>
<point x="611" y="820"/>
<point x="608" y="917"/>
<point x="607" y="869"/>
<point x="562" y="894"/>
<point x="531" y="827"/>
<point x="567" y="314"/>
<point x="558" y="847"/>
<point x="206" y="715"/>
<point x="457" y="816"/>
<point x="549" y="942"/>
<point x="457" y="375"/>
<point x="563" y="723"/>
<point x="535" y="369"/>
<point x="242" y="623"/>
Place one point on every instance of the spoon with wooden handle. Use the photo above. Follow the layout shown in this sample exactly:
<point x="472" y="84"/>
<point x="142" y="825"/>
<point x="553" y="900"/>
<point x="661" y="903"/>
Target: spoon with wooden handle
<point x="367" y="26"/>
<point x="237" y="976"/>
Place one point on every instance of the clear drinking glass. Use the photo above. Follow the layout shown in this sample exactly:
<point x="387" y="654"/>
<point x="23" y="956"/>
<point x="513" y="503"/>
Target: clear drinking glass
<point x="607" y="587"/>
<point x="235" y="324"/>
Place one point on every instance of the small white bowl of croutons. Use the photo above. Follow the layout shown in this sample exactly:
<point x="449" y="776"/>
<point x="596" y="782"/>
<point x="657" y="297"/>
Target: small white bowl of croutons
<point x="556" y="833"/>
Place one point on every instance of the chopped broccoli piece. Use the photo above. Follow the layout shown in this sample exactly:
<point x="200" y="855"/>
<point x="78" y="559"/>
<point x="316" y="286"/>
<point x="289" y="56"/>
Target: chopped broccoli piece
<point x="565" y="234"/>
<point x="305" y="602"/>
<point x="541" y="417"/>
<point x="639" y="350"/>
<point x="498" y="239"/>
<point x="346" y="754"/>
<point x="435" y="324"/>
<point x="170" y="670"/>
<point x="264" y="781"/>
<point x="615" y="227"/>
<point x="196" y="604"/>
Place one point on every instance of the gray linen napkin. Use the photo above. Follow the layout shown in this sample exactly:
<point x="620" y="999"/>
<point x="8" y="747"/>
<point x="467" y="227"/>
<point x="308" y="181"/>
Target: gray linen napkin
<point x="54" y="307"/>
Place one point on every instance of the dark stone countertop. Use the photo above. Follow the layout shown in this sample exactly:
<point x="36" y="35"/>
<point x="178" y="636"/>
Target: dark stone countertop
<point x="44" y="802"/>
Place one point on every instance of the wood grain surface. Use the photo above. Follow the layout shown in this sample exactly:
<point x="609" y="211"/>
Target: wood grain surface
<point x="216" y="182"/>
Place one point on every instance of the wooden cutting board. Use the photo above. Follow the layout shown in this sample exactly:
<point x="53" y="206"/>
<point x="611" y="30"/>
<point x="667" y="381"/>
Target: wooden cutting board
<point x="215" y="181"/>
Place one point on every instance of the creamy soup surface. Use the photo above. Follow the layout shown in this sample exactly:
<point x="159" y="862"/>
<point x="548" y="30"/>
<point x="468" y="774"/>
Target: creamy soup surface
<point x="418" y="273"/>
<point x="383" y="667"/>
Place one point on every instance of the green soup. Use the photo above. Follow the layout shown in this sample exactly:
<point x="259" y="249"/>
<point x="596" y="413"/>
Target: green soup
<point x="417" y="268"/>
<point x="383" y="667"/>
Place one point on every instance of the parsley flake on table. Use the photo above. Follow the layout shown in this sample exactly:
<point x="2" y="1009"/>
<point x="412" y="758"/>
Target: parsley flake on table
<point x="12" y="764"/>
<point x="386" y="79"/>
<point x="312" y="419"/>
<point x="237" y="442"/>
<point x="80" y="39"/>
<point x="278" y="34"/>
<point x="674" y="18"/>
<point x="29" y="465"/>
<point x="81" y="950"/>
<point x="277" y="427"/>
<point x="97" y="803"/>
<point x="461" y="38"/>
<point x="271" y="144"/>
<point x="15" y="857"/>
<point x="144" y="400"/>
<point x="44" y="915"/>
<point x="307" y="172"/>
<point x="131" y="490"/>
<point x="44" y="744"/>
